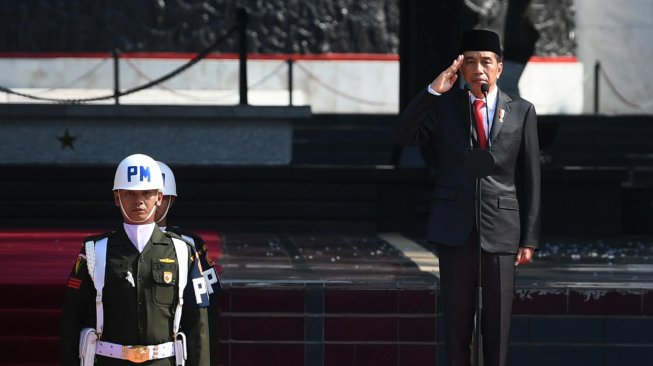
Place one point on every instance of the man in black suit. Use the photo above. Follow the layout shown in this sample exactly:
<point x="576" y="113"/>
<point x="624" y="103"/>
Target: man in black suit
<point x="451" y="121"/>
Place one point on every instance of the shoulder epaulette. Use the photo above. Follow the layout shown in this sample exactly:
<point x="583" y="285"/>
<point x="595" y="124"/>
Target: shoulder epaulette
<point x="182" y="232"/>
<point x="174" y="235"/>
<point x="99" y="236"/>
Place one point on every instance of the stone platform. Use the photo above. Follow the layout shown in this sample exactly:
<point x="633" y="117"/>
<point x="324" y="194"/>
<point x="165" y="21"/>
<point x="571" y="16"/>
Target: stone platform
<point x="373" y="300"/>
<point x="96" y="135"/>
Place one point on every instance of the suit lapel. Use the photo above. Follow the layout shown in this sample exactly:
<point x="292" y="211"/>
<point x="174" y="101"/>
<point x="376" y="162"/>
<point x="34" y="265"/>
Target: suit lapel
<point x="499" y="116"/>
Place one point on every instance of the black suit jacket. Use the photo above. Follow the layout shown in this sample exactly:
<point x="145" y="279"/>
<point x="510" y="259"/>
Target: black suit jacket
<point x="510" y="208"/>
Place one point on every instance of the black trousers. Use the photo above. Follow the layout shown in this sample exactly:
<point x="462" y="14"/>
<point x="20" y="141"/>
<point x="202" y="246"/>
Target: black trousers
<point x="458" y="279"/>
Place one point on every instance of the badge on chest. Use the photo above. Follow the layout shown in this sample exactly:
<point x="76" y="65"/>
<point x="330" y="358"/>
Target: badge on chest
<point x="167" y="277"/>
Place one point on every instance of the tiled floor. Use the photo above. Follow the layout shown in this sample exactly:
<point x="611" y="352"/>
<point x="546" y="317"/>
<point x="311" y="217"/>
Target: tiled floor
<point x="332" y="260"/>
<point x="346" y="300"/>
<point x="384" y="261"/>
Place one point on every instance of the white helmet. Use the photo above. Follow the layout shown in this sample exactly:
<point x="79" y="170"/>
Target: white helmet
<point x="169" y="183"/>
<point x="138" y="172"/>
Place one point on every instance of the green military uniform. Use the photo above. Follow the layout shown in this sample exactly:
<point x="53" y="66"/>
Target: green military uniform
<point x="214" y="307"/>
<point x="140" y="296"/>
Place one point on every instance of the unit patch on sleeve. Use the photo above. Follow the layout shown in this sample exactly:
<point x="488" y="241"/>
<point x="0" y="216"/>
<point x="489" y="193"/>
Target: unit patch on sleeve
<point x="74" y="283"/>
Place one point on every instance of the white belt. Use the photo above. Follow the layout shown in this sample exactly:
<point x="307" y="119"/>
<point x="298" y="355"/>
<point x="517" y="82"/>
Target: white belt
<point x="136" y="354"/>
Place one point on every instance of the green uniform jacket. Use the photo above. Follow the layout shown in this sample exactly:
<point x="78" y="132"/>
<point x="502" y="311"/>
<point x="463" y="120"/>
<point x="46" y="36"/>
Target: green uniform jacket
<point x="139" y="314"/>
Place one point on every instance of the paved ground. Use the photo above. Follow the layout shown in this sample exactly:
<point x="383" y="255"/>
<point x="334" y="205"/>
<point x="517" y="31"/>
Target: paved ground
<point x="392" y="258"/>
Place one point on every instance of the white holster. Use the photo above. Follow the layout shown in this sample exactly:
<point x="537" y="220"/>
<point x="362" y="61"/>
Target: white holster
<point x="180" y="349"/>
<point x="87" y="343"/>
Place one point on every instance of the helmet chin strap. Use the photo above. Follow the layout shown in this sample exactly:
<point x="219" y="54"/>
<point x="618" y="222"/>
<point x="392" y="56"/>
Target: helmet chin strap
<point x="136" y="221"/>
<point x="165" y="213"/>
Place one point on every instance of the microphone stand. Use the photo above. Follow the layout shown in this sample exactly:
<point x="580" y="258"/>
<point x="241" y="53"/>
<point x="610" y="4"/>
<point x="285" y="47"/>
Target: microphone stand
<point x="479" y="163"/>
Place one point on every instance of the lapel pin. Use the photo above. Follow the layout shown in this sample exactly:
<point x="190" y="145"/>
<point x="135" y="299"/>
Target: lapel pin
<point x="502" y="113"/>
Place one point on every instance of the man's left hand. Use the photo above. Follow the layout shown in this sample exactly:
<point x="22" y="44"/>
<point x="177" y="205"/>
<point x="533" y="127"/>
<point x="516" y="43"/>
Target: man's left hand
<point x="524" y="256"/>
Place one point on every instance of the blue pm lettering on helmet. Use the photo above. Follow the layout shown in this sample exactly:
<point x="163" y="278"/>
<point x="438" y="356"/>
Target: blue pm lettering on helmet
<point x="164" y="178"/>
<point x="133" y="170"/>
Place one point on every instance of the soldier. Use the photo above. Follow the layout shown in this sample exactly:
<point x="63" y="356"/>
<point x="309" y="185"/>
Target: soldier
<point x="135" y="294"/>
<point x="209" y="273"/>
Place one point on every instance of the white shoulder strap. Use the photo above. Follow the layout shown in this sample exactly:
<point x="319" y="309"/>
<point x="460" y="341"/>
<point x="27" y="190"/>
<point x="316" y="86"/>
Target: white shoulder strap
<point x="181" y="248"/>
<point x="96" y="258"/>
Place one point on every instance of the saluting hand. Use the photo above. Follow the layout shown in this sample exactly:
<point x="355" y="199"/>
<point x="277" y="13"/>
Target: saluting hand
<point x="447" y="78"/>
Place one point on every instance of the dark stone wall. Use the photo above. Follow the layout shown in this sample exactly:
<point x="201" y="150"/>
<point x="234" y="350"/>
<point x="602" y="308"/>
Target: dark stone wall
<point x="276" y="26"/>
<point x="546" y="27"/>
<point x="555" y="21"/>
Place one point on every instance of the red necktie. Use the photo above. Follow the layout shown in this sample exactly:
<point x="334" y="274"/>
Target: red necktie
<point x="480" y="123"/>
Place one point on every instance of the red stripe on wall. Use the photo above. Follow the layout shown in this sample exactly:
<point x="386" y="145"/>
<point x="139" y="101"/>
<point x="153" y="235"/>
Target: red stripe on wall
<point x="562" y="59"/>
<point x="251" y="56"/>
<point x="216" y="56"/>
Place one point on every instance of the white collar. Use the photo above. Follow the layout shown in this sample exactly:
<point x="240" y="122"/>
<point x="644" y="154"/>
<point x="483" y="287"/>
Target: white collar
<point x="139" y="234"/>
<point x="491" y="98"/>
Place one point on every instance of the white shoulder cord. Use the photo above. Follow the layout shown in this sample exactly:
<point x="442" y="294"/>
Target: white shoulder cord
<point x="96" y="257"/>
<point x="182" y="257"/>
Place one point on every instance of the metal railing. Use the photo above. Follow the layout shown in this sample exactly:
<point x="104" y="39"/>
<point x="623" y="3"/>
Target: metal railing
<point x="599" y="75"/>
<point x="240" y="26"/>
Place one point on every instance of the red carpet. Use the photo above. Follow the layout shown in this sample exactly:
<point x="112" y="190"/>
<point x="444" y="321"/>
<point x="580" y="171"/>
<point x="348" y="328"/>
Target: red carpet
<point x="39" y="256"/>
<point x="45" y="256"/>
<point x="34" y="268"/>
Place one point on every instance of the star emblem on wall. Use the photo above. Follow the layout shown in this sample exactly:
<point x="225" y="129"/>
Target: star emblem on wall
<point x="67" y="140"/>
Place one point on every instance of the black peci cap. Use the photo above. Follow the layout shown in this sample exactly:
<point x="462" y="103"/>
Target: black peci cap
<point x="480" y="40"/>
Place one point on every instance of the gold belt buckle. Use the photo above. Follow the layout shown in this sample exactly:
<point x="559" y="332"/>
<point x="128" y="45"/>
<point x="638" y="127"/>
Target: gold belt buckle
<point x="136" y="354"/>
